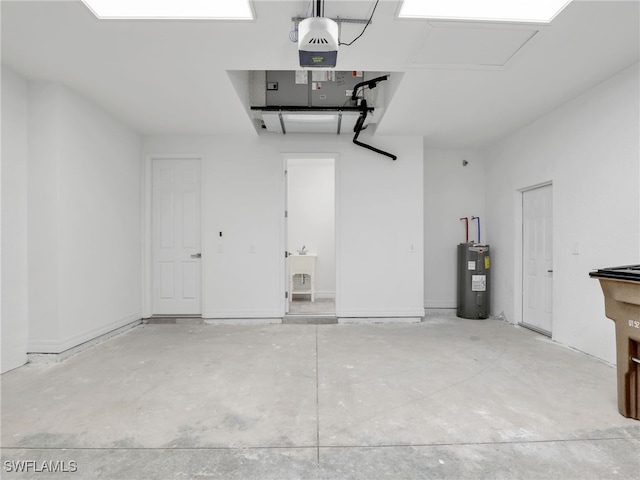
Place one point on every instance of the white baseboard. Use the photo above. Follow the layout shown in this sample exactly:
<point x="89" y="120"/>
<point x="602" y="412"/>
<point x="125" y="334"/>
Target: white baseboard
<point x="242" y="321"/>
<point x="61" y="346"/>
<point x="374" y="320"/>
<point x="439" y="311"/>
<point x="439" y="304"/>
<point x="396" y="313"/>
<point x="54" y="357"/>
<point x="241" y="314"/>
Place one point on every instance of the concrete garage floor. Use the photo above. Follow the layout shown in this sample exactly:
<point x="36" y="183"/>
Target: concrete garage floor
<point x="446" y="398"/>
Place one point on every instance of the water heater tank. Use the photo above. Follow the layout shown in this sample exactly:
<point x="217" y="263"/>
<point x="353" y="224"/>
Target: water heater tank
<point x="474" y="267"/>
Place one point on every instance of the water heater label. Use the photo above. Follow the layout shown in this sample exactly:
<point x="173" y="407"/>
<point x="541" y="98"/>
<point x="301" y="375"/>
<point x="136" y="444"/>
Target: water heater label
<point x="487" y="263"/>
<point x="478" y="283"/>
<point x="471" y="265"/>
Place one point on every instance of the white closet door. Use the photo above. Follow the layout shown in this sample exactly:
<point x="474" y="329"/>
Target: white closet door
<point x="537" y="237"/>
<point x="176" y="261"/>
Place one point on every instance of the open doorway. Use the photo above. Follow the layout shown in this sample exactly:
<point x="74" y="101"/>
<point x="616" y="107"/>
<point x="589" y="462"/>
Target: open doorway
<point x="310" y="234"/>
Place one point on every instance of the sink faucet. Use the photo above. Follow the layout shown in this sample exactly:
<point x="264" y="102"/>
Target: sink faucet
<point x="304" y="250"/>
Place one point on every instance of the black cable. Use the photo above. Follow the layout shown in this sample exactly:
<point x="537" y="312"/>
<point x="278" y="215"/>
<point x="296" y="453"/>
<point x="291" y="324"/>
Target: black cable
<point x="360" y="126"/>
<point x="364" y="29"/>
<point x="373" y="83"/>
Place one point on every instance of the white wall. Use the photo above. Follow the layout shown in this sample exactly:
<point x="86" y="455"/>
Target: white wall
<point x="84" y="220"/>
<point x="14" y="221"/>
<point x="451" y="191"/>
<point x="589" y="148"/>
<point x="311" y="221"/>
<point x="42" y="195"/>
<point x="379" y="220"/>
<point x="380" y="225"/>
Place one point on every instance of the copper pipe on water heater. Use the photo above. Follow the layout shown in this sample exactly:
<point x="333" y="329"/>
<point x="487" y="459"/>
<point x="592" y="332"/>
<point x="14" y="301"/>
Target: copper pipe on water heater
<point x="466" y="223"/>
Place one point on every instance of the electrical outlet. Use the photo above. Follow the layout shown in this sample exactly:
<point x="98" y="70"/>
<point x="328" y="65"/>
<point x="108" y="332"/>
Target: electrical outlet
<point x="348" y="93"/>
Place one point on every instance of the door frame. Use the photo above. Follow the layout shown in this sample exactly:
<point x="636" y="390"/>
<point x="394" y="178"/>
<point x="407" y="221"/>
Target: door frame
<point x="284" y="281"/>
<point x="518" y="278"/>
<point x="146" y="221"/>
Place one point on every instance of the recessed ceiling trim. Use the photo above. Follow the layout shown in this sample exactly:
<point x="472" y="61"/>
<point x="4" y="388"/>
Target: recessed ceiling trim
<point x="468" y="46"/>
<point x="518" y="11"/>
<point x="171" y="9"/>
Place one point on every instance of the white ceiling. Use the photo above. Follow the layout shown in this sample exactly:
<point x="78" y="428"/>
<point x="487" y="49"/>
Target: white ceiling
<point x="464" y="85"/>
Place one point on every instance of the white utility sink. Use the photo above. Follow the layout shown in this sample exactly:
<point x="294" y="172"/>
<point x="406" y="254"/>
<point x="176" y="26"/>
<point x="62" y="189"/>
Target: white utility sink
<point x="303" y="265"/>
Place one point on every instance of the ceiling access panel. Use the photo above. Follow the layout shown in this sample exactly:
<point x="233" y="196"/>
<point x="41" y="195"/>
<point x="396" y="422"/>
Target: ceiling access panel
<point x="480" y="46"/>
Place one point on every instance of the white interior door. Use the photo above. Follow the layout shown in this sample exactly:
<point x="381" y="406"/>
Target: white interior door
<point x="286" y="239"/>
<point x="176" y="237"/>
<point x="537" y="238"/>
